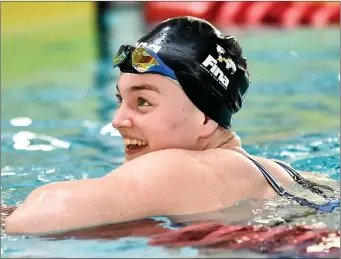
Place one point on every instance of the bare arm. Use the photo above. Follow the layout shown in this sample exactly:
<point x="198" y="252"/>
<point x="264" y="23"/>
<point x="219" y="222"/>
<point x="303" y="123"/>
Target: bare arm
<point x="135" y="190"/>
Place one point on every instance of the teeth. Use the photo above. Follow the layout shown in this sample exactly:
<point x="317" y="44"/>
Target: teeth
<point x="128" y="141"/>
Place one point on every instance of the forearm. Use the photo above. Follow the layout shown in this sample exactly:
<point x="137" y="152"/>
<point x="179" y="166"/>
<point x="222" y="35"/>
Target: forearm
<point x="54" y="208"/>
<point x="73" y="205"/>
<point x="145" y="228"/>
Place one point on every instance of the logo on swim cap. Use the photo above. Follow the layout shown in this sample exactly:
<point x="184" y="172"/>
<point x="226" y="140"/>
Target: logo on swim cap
<point x="211" y="65"/>
<point x="153" y="47"/>
<point x="229" y="63"/>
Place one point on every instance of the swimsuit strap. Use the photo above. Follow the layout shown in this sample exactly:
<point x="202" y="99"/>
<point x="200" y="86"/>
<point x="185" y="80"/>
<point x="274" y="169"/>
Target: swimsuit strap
<point x="307" y="184"/>
<point x="273" y="182"/>
<point x="333" y="202"/>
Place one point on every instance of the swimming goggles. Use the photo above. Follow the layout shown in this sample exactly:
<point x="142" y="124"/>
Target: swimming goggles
<point x="143" y="60"/>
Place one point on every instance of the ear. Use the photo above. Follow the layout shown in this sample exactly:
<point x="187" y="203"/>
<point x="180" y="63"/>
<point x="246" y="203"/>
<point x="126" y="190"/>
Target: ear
<point x="208" y="127"/>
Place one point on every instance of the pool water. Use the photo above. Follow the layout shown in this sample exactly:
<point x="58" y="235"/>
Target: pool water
<point x="56" y="129"/>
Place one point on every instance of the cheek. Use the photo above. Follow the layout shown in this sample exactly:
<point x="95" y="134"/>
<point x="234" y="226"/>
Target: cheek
<point x="179" y="123"/>
<point x="176" y="128"/>
<point x="177" y="120"/>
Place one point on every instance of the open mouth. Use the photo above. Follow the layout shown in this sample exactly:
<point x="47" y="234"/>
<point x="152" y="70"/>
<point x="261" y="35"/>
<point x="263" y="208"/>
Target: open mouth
<point x="134" y="145"/>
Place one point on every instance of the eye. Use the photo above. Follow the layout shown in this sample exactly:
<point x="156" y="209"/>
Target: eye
<point x="118" y="99"/>
<point x="142" y="102"/>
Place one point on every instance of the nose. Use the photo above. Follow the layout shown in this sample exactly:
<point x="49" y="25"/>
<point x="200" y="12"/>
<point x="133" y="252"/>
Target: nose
<point x="122" y="119"/>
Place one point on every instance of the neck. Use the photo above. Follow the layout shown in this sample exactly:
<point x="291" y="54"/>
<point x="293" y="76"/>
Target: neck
<point x="221" y="138"/>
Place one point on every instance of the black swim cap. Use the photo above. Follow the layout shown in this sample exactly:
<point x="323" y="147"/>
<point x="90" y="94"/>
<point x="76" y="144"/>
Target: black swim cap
<point x="209" y="66"/>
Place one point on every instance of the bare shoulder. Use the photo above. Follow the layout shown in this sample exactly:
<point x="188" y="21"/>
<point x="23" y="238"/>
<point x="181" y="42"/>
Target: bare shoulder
<point x="183" y="181"/>
<point x="168" y="170"/>
<point x="161" y="162"/>
<point x="179" y="161"/>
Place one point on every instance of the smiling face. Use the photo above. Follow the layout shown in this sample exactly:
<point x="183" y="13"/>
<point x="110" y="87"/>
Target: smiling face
<point x="154" y="113"/>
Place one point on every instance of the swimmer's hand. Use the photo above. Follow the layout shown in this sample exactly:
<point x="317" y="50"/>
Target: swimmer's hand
<point x="5" y="212"/>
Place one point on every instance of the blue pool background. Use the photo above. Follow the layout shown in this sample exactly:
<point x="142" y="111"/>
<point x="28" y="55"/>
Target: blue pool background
<point x="55" y="130"/>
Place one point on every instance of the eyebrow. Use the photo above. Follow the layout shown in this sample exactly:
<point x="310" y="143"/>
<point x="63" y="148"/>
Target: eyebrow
<point x="140" y="88"/>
